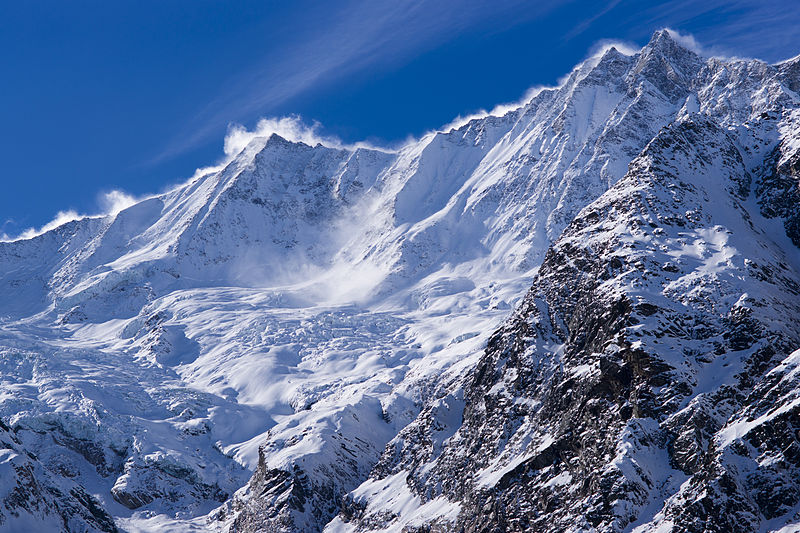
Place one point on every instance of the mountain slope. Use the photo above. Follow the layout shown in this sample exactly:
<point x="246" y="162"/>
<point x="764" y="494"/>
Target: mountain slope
<point x="650" y="331"/>
<point x="319" y="319"/>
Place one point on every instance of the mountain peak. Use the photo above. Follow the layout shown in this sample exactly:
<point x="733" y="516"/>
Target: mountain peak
<point x="660" y="36"/>
<point x="277" y="140"/>
<point x="669" y="65"/>
<point x="332" y="322"/>
<point x="612" y="52"/>
<point x="669" y="43"/>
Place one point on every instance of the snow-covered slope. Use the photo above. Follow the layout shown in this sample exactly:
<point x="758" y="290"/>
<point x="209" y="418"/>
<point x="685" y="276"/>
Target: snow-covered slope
<point x="315" y="320"/>
<point x="628" y="375"/>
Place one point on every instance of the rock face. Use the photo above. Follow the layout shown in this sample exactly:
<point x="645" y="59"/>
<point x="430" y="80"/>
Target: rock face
<point x="37" y="499"/>
<point x="643" y="382"/>
<point x="333" y="324"/>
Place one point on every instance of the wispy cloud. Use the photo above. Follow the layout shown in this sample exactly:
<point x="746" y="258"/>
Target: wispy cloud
<point x="361" y="34"/>
<point x="368" y="35"/>
<point x="585" y="24"/>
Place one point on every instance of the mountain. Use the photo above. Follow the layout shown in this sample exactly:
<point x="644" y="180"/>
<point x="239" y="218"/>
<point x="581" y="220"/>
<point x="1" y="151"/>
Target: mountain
<point x="577" y="314"/>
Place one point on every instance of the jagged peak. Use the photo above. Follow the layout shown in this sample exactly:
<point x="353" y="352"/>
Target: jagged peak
<point x="669" y="45"/>
<point x="610" y="63"/>
<point x="660" y="37"/>
<point x="669" y="64"/>
<point x="669" y="41"/>
<point x="277" y="140"/>
<point x="275" y="146"/>
<point x="612" y="53"/>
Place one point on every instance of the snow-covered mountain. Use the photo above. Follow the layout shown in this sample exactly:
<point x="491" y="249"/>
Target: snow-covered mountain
<point x="579" y="314"/>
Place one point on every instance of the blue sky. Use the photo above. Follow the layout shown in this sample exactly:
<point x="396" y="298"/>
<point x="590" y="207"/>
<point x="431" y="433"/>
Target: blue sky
<point x="135" y="95"/>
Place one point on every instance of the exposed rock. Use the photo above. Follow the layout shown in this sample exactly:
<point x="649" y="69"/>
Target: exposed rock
<point x="34" y="499"/>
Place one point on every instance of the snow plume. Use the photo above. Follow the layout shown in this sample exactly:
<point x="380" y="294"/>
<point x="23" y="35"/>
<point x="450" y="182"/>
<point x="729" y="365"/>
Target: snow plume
<point x="291" y="128"/>
<point x="594" y="55"/>
<point x="306" y="278"/>
<point x="687" y="41"/>
<point x="110" y="203"/>
<point x="596" y="52"/>
<point x="115" y="201"/>
<point x="61" y="218"/>
<point x="497" y="111"/>
<point x="603" y="46"/>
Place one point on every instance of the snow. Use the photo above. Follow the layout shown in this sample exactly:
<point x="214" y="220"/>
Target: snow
<point x="738" y="429"/>
<point x="405" y="507"/>
<point x="299" y="293"/>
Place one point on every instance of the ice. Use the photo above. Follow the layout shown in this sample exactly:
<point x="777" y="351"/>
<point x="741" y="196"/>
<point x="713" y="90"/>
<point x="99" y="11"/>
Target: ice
<point x="310" y="300"/>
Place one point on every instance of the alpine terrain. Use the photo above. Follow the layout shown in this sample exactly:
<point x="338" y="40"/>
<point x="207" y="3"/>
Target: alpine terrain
<point x="577" y="313"/>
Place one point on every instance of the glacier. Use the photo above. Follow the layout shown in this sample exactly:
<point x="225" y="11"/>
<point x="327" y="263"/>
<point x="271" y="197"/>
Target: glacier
<point x="578" y="313"/>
